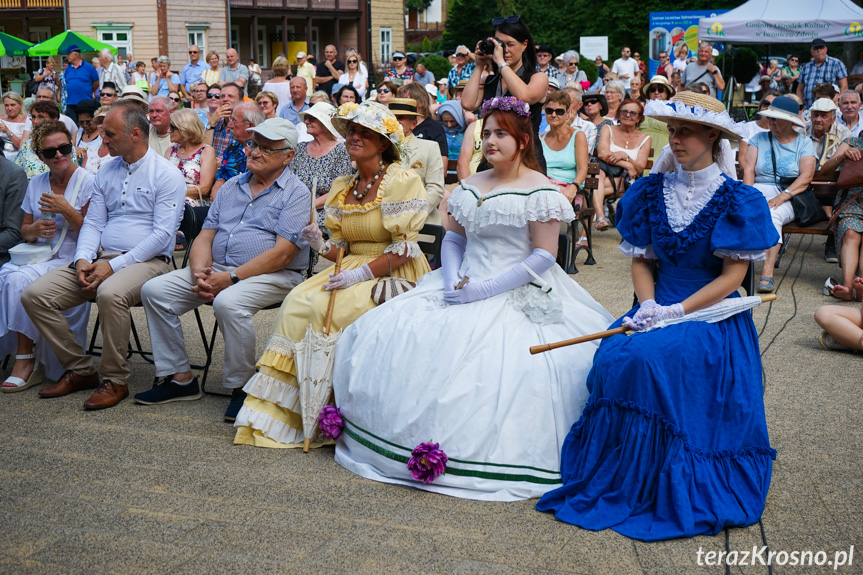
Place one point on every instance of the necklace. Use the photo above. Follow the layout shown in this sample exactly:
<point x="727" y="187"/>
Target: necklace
<point x="360" y="195"/>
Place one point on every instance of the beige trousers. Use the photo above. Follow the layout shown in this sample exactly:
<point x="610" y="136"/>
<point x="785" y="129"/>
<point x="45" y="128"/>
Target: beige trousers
<point x="58" y="290"/>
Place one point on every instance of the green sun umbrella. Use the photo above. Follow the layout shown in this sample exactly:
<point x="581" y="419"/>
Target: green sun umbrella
<point x="12" y="46"/>
<point x="60" y="43"/>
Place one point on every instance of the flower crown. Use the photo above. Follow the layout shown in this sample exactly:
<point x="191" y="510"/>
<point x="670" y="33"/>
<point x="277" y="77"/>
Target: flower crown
<point x="506" y="104"/>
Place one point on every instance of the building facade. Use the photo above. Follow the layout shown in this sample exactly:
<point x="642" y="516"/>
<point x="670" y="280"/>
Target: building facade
<point x="259" y="29"/>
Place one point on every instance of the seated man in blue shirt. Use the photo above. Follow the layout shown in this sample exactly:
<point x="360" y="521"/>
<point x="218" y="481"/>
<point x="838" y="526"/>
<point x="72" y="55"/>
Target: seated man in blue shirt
<point x="127" y="238"/>
<point x="248" y="256"/>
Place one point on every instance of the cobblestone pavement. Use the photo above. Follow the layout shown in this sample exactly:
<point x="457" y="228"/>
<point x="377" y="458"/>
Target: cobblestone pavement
<point x="138" y="489"/>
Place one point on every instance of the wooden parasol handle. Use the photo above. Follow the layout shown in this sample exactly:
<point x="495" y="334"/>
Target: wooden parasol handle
<point x="329" y="317"/>
<point x="535" y="349"/>
<point x="313" y="214"/>
<point x="567" y="342"/>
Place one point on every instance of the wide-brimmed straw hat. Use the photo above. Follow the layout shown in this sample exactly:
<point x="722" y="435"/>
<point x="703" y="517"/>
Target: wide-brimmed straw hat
<point x="403" y="106"/>
<point x="603" y="103"/>
<point x="374" y="116"/>
<point x="699" y="109"/>
<point x="784" y="108"/>
<point x="323" y="113"/>
<point x="658" y="80"/>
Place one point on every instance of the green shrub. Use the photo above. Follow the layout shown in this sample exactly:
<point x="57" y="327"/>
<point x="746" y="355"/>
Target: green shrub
<point x="437" y="65"/>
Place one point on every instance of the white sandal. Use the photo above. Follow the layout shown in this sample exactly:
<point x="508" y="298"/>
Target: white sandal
<point x="37" y="377"/>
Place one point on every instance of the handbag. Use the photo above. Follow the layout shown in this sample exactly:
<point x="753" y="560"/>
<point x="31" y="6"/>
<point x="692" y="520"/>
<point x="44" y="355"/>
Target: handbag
<point x="25" y="254"/>
<point x="807" y="208"/>
<point x="387" y="288"/>
<point x="851" y="175"/>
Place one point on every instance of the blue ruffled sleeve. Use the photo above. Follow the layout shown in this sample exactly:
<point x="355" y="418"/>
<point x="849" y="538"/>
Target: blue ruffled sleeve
<point x="633" y="210"/>
<point x="746" y="225"/>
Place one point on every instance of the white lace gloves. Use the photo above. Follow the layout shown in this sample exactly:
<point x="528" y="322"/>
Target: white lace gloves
<point x="347" y="278"/>
<point x="452" y="253"/>
<point x="313" y="234"/>
<point x="539" y="261"/>
<point x="650" y="313"/>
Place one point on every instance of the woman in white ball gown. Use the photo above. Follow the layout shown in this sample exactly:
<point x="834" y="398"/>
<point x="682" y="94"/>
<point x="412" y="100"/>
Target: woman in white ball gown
<point x="449" y="362"/>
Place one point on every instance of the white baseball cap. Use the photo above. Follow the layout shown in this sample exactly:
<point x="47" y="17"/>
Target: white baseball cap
<point x="301" y="54"/>
<point x="277" y="129"/>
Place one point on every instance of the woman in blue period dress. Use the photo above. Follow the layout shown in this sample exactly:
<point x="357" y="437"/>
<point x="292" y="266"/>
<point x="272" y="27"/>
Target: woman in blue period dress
<point x="453" y="365"/>
<point x="673" y="441"/>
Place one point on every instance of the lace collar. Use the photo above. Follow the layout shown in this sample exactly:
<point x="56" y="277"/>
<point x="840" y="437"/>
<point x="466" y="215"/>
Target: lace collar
<point x="686" y="193"/>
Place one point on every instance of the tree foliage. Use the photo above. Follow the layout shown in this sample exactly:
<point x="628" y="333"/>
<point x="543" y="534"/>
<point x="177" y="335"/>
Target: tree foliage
<point x="418" y="4"/>
<point x="560" y="23"/>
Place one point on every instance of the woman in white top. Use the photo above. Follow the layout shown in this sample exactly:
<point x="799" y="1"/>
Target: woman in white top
<point x="88" y="136"/>
<point x="625" y="151"/>
<point x="12" y="126"/>
<point x="280" y="85"/>
<point x="681" y="53"/>
<point x="56" y="198"/>
<point x="354" y="76"/>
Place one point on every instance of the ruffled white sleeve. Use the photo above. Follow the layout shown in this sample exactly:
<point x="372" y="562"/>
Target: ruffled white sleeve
<point x="751" y="255"/>
<point x="632" y="251"/>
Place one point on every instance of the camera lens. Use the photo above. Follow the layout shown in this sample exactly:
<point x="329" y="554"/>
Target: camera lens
<point x="486" y="47"/>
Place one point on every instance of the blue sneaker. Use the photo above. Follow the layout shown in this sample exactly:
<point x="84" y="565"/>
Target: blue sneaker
<point x="166" y="391"/>
<point x="238" y="396"/>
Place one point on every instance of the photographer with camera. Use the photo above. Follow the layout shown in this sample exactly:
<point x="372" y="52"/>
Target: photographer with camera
<point x="513" y="56"/>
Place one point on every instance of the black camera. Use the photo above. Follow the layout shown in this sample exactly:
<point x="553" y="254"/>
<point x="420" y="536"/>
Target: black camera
<point x="486" y="47"/>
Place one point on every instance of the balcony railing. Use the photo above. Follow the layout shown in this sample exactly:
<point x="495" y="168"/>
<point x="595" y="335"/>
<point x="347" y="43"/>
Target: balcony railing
<point x="314" y="5"/>
<point x="31" y="4"/>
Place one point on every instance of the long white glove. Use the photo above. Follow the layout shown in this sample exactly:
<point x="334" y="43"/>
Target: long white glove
<point x="452" y="254"/>
<point x="539" y="261"/>
<point x="313" y="234"/>
<point x="651" y="312"/>
<point x="347" y="278"/>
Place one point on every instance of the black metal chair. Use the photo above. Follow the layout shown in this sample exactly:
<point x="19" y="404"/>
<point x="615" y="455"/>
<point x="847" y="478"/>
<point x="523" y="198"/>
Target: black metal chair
<point x="432" y="248"/>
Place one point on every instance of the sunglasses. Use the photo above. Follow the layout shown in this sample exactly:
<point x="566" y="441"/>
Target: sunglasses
<point x="629" y="113"/>
<point x="508" y="19"/>
<point x="85" y="122"/>
<point x="383" y="90"/>
<point x="49" y="153"/>
<point x="193" y="52"/>
<point x="353" y="61"/>
<point x="174" y="99"/>
<point x="397" y="58"/>
<point x="588" y="103"/>
<point x="213" y="95"/>
<point x="555" y="111"/>
<point x="654" y="89"/>
<point x="173" y="127"/>
<point x="461" y="55"/>
<point x="572" y="63"/>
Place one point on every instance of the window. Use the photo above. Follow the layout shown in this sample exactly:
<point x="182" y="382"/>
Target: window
<point x="39" y="34"/>
<point x="314" y="49"/>
<point x="262" y="46"/>
<point x="197" y="33"/>
<point x="386" y="37"/>
<point x="235" y="38"/>
<point x="115" y="34"/>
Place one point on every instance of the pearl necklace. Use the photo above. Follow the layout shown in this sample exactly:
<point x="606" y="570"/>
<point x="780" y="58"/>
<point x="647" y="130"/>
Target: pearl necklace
<point x="360" y="195"/>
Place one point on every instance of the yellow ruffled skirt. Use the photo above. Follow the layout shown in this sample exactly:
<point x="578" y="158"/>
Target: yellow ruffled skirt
<point x="270" y="416"/>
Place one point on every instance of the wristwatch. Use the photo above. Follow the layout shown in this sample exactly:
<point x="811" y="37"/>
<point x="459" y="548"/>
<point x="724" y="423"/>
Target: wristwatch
<point x="715" y="72"/>
<point x="790" y="195"/>
<point x="502" y="66"/>
<point x="234" y="278"/>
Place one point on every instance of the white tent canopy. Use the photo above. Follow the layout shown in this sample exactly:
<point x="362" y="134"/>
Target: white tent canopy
<point x="785" y="21"/>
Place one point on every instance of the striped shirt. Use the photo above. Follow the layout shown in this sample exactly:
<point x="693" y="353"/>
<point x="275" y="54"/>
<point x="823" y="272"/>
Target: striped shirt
<point x="830" y="71"/>
<point x="247" y="227"/>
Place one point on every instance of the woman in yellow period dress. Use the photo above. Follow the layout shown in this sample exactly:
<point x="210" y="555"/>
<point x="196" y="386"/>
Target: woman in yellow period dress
<point x="376" y="216"/>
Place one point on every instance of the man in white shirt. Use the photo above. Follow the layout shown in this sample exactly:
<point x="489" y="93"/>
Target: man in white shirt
<point x="306" y="71"/>
<point x="625" y="67"/>
<point x="111" y="71"/>
<point x="47" y="95"/>
<point x="127" y="238"/>
<point x="849" y="105"/>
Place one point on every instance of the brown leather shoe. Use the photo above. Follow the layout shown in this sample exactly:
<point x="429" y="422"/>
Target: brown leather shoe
<point x="70" y="383"/>
<point x="108" y="395"/>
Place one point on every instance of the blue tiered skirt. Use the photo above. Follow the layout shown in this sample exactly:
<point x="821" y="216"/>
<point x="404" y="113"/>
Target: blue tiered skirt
<point x="673" y="440"/>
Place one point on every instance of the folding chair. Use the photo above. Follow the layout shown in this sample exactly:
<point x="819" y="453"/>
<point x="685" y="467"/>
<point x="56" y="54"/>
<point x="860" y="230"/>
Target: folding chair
<point x="583" y="216"/>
